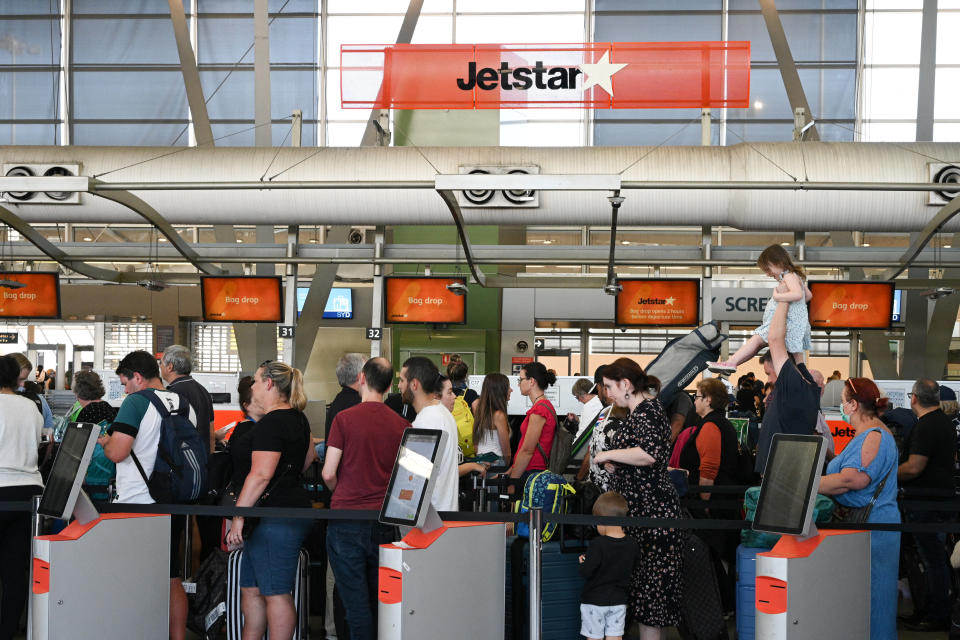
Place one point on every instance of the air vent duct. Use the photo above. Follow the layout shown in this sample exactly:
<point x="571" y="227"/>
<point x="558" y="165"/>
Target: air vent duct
<point x="946" y="174"/>
<point x="45" y="170"/>
<point x="487" y="198"/>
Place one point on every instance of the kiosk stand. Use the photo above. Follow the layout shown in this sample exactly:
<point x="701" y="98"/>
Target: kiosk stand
<point x="102" y="576"/>
<point x="811" y="584"/>
<point x="443" y="579"/>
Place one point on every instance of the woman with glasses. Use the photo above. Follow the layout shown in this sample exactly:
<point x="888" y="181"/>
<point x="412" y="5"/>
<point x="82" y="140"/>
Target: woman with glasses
<point x="710" y="457"/>
<point x="638" y="467"/>
<point x="280" y="450"/>
<point x="536" y="432"/>
<point x="865" y="473"/>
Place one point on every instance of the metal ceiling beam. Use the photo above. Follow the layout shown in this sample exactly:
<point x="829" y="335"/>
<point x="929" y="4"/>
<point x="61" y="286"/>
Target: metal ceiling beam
<point x="47" y="248"/>
<point x="931" y="229"/>
<point x="451" y="201"/>
<point x="546" y="182"/>
<point x="191" y="76"/>
<point x="788" y="68"/>
<point x="151" y="215"/>
<point x="571" y="255"/>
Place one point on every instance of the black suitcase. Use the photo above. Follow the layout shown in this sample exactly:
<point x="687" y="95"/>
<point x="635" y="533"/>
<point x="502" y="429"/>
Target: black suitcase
<point x="702" y="610"/>
<point x="301" y="597"/>
<point x="561" y="585"/>
<point x="207" y="597"/>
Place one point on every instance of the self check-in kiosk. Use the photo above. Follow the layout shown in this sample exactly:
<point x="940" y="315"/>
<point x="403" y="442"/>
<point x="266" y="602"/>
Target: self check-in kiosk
<point x="811" y="584"/>
<point x="443" y="579"/>
<point x="104" y="576"/>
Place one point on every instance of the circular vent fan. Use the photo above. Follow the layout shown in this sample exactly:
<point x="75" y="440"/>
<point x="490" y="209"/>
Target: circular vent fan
<point x="950" y="174"/>
<point x="478" y="196"/>
<point x="519" y="196"/>
<point x="58" y="172"/>
<point x="20" y="172"/>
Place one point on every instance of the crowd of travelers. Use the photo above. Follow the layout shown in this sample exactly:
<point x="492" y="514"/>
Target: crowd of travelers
<point x="633" y="446"/>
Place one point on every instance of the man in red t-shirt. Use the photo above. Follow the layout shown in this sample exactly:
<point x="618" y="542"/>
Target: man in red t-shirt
<point x="361" y="449"/>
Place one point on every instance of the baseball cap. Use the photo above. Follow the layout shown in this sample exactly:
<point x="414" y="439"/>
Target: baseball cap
<point x="947" y="394"/>
<point x="597" y="378"/>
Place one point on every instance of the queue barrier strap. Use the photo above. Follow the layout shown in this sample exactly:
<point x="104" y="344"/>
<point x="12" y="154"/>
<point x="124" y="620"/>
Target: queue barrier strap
<point x="470" y="516"/>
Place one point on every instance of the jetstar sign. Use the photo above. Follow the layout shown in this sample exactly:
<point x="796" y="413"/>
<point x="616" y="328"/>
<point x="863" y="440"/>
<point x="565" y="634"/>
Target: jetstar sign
<point x="619" y="75"/>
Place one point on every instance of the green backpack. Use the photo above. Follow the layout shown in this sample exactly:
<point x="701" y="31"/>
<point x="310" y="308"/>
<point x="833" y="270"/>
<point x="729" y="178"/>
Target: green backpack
<point x="822" y="510"/>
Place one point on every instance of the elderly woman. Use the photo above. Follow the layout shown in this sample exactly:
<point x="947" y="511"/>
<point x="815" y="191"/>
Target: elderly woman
<point x="865" y="473"/>
<point x="637" y="463"/>
<point x="280" y="450"/>
<point x="20" y="427"/>
<point x="88" y="388"/>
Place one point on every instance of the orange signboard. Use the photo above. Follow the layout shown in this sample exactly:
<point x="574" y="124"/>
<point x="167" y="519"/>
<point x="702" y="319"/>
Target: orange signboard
<point x="598" y="75"/>
<point x="241" y="299"/>
<point x="658" y="303"/>
<point x="423" y="300"/>
<point x="39" y="298"/>
<point x="851" y="305"/>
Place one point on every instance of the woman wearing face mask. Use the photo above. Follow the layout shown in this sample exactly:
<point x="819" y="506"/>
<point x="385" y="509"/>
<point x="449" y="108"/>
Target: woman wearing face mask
<point x="864" y="472"/>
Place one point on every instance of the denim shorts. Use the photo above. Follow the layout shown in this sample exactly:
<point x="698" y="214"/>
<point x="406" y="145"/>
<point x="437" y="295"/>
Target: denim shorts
<point x="600" y="622"/>
<point x="270" y="555"/>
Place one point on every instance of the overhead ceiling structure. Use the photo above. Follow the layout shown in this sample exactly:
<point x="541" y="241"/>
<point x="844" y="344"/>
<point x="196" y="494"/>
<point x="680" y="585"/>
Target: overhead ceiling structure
<point x="192" y="185"/>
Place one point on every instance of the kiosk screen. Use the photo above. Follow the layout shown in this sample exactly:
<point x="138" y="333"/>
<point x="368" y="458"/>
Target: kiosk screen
<point x="69" y="470"/>
<point x="790" y="483"/>
<point x="405" y="504"/>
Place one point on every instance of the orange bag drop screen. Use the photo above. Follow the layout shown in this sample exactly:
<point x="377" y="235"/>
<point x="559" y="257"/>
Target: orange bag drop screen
<point x="423" y="300"/>
<point x="242" y="299"/>
<point x="40" y="298"/>
<point x="851" y="305"/>
<point x="656" y="303"/>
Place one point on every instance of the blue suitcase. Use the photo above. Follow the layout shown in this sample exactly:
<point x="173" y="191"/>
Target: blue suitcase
<point x="746" y="591"/>
<point x="561" y="585"/>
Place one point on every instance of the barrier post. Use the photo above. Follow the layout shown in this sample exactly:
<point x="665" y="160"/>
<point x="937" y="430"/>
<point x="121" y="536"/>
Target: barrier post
<point x="536" y="533"/>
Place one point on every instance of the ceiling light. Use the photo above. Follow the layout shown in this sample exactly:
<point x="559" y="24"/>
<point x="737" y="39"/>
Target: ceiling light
<point x="548" y="242"/>
<point x="757" y="104"/>
<point x="865" y="244"/>
<point x="784" y="244"/>
<point x="239" y="240"/>
<point x="624" y="242"/>
<point x="946" y="246"/>
<point x="88" y="239"/>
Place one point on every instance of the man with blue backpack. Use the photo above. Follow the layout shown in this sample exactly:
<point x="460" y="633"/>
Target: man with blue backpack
<point x="160" y="457"/>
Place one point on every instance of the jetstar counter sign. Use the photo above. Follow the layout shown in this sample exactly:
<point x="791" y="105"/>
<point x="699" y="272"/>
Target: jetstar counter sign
<point x="636" y="75"/>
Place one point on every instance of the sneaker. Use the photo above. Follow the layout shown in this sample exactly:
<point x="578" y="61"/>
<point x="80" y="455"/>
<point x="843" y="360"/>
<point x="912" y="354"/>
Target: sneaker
<point x="721" y="368"/>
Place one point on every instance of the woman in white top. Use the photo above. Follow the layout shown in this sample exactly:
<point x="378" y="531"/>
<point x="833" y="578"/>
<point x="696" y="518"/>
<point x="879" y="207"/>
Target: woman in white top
<point x="491" y="431"/>
<point x="20" y="428"/>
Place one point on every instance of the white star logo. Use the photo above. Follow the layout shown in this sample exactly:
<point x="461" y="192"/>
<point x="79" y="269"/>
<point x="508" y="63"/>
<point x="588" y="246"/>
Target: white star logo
<point x="671" y="300"/>
<point x="600" y="73"/>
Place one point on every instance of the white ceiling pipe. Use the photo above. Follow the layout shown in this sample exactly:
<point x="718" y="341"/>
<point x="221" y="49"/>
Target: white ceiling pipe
<point x="744" y="209"/>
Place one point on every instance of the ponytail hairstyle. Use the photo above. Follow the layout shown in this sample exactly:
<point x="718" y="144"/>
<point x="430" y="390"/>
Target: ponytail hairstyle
<point x="493" y="398"/>
<point x="867" y="395"/>
<point x="541" y="375"/>
<point x="627" y="369"/>
<point x="288" y="380"/>
<point x="775" y="256"/>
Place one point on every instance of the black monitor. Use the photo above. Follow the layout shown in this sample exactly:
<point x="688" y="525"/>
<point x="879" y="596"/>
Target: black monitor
<point x="69" y="469"/>
<point x="789" y="487"/>
<point x="407" y="502"/>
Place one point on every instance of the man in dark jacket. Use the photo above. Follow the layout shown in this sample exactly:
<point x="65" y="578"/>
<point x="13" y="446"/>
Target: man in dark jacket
<point x="348" y="375"/>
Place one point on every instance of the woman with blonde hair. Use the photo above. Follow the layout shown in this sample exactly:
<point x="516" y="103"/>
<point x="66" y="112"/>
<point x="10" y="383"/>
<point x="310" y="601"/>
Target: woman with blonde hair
<point x="280" y="450"/>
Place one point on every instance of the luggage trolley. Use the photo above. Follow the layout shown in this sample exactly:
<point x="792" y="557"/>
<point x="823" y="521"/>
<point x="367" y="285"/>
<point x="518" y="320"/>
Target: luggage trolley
<point x="427" y="580"/>
<point x="104" y="576"/>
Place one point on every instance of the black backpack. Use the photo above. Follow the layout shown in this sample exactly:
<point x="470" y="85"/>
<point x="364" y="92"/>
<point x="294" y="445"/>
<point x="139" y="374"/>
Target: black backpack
<point x="208" y="608"/>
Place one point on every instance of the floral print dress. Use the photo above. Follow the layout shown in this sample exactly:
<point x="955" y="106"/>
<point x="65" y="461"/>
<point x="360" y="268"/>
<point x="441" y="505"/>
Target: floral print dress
<point x="656" y="590"/>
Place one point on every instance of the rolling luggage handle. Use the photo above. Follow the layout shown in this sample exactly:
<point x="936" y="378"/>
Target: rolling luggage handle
<point x="536" y="530"/>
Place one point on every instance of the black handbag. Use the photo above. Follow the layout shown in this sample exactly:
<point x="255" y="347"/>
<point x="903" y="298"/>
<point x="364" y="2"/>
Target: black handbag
<point x="230" y="500"/>
<point x="857" y="515"/>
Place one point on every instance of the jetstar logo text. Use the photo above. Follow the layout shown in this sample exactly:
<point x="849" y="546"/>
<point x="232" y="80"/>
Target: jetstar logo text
<point x="488" y="78"/>
<point x="619" y="75"/>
